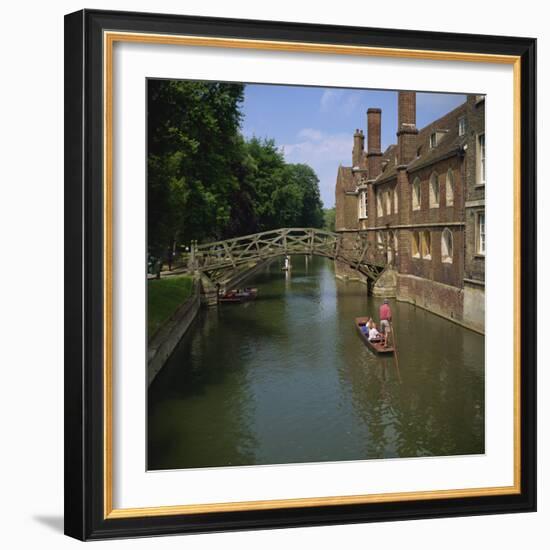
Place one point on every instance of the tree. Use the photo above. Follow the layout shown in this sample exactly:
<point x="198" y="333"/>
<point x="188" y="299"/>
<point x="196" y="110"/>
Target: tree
<point x="330" y="219"/>
<point x="193" y="139"/>
<point x="205" y="181"/>
<point x="284" y="195"/>
<point x="311" y="207"/>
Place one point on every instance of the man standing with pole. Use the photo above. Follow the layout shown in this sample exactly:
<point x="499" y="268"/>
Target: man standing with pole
<point x="385" y="320"/>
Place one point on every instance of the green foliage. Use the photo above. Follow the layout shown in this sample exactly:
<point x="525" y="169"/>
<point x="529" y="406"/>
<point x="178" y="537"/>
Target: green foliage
<point x="205" y="181"/>
<point x="164" y="296"/>
<point x="329" y="219"/>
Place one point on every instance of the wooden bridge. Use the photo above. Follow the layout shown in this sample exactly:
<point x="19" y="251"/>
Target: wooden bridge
<point x="220" y="262"/>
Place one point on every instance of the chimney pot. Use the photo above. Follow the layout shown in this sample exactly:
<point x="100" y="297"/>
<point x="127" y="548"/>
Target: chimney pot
<point x="374" y="153"/>
<point x="406" y="128"/>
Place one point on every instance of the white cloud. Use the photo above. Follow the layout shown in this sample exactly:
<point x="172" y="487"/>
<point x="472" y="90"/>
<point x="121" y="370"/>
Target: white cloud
<point x="328" y="99"/>
<point x="351" y="102"/>
<point x="323" y="152"/>
<point x="310" y="133"/>
<point x="317" y="145"/>
<point x="341" y="101"/>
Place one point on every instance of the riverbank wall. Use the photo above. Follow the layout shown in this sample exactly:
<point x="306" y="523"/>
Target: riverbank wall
<point x="463" y="307"/>
<point x="446" y="301"/>
<point x="163" y="342"/>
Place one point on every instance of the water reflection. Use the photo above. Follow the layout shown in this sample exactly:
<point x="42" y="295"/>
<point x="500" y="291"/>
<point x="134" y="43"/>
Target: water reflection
<point x="287" y="379"/>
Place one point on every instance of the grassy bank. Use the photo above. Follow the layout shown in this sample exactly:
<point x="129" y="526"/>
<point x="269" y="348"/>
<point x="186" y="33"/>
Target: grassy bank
<point x="164" y="296"/>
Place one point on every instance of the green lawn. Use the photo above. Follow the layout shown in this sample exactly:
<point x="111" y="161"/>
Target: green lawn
<point x="164" y="296"/>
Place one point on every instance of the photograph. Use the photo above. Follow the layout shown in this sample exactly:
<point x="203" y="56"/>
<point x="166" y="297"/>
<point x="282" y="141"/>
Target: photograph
<point x="315" y="274"/>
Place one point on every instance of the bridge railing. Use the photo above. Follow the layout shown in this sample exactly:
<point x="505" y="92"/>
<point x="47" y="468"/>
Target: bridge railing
<point x="268" y="244"/>
<point x="357" y="249"/>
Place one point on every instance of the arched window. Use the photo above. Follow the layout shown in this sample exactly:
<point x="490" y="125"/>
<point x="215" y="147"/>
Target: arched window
<point x="426" y="245"/>
<point x="379" y="241"/>
<point x="416" y="194"/>
<point x="415" y="244"/>
<point x="379" y="208"/>
<point x="388" y="203"/>
<point x="434" y="190"/>
<point x="362" y="204"/>
<point x="395" y="243"/>
<point x="449" y="188"/>
<point x="395" y="200"/>
<point x="447" y="246"/>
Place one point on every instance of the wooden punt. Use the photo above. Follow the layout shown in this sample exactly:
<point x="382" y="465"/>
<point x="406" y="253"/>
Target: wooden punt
<point x="376" y="347"/>
<point x="236" y="296"/>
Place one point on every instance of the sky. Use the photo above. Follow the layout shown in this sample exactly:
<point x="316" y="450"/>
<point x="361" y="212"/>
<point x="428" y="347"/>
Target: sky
<point x="315" y="126"/>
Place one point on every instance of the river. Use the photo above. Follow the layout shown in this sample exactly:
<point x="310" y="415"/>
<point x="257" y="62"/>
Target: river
<point x="286" y="379"/>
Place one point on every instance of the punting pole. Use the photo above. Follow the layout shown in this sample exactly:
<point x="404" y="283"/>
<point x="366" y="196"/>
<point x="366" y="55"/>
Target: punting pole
<point x="394" y="342"/>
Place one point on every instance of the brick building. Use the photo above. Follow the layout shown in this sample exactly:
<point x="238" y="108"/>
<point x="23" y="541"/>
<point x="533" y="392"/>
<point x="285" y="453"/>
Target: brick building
<point x="421" y="204"/>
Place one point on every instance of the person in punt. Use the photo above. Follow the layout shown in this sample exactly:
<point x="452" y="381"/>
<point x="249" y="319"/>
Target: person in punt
<point x="374" y="335"/>
<point x="365" y="327"/>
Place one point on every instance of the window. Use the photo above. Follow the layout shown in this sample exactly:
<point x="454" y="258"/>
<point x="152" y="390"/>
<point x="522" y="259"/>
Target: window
<point x="449" y="188"/>
<point x="395" y="201"/>
<point x="379" y="209"/>
<point x="395" y="243"/>
<point x="426" y="245"/>
<point x="480" y="227"/>
<point x="363" y="204"/>
<point x="481" y="159"/>
<point x="433" y="140"/>
<point x="415" y="245"/>
<point x="416" y="194"/>
<point x="434" y="190"/>
<point x="447" y="246"/>
<point x="379" y="241"/>
<point x="461" y="126"/>
<point x="388" y="203"/>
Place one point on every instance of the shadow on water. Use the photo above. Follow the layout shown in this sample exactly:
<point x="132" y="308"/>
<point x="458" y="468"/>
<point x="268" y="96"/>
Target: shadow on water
<point x="286" y="378"/>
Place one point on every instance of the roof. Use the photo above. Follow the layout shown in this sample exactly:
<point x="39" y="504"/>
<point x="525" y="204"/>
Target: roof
<point x="389" y="165"/>
<point x="345" y="175"/>
<point x="448" y="144"/>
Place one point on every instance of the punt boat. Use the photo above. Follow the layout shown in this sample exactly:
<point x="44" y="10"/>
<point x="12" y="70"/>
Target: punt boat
<point x="236" y="296"/>
<point x="373" y="345"/>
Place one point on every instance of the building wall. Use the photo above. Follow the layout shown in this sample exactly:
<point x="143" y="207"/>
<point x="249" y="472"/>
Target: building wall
<point x="444" y="300"/>
<point x="346" y="219"/>
<point x="475" y="194"/>
<point x="452" y="289"/>
<point x="474" y="204"/>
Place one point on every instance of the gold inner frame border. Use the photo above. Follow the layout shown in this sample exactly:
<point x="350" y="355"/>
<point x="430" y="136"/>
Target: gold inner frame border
<point x="109" y="39"/>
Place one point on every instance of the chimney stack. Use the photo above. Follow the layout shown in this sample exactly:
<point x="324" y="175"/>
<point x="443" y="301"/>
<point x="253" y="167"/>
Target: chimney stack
<point x="358" y="148"/>
<point x="374" y="152"/>
<point x="406" y="130"/>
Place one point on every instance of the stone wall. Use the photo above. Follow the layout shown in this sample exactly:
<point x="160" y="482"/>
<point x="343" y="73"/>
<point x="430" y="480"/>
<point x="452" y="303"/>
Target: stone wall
<point x="344" y="271"/>
<point x="444" y="300"/>
<point x="163" y="343"/>
<point x="474" y="306"/>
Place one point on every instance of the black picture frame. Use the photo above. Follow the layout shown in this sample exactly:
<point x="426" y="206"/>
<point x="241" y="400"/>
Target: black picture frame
<point x="84" y="281"/>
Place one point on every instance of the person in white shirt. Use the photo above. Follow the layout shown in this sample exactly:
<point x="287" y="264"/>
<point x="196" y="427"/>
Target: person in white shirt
<point x="373" y="333"/>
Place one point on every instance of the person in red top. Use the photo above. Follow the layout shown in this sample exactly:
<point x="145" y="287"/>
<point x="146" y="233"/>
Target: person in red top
<point x="385" y="319"/>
